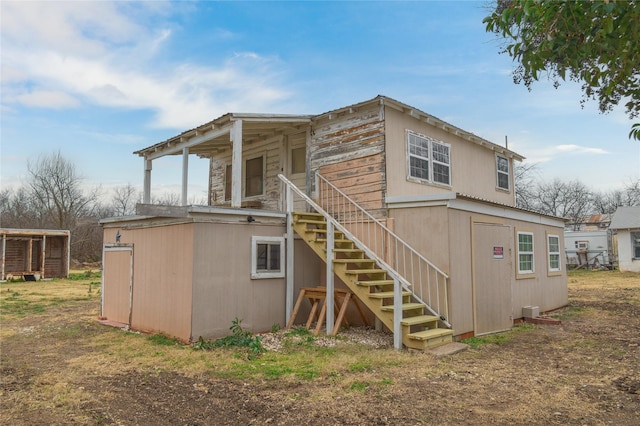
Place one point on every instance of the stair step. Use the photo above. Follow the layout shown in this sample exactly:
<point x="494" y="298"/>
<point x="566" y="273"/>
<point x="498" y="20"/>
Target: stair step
<point x="430" y="334"/>
<point x="405" y="307"/>
<point x="312" y="221"/>
<point x="335" y="240"/>
<point x="312" y="214"/>
<point x="373" y="283"/>
<point x="349" y="260"/>
<point x="322" y="231"/>
<point x="345" y="250"/>
<point x="420" y="319"/>
<point x="387" y="294"/>
<point x="365" y="271"/>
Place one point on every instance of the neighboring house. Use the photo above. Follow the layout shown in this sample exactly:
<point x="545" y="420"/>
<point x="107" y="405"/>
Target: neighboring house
<point x="594" y="222"/>
<point x="588" y="248"/>
<point x="626" y="223"/>
<point x="34" y="254"/>
<point x="413" y="215"/>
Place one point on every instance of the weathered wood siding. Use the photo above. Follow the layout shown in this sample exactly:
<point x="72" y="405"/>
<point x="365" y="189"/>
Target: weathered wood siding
<point x="271" y="150"/>
<point x="347" y="148"/>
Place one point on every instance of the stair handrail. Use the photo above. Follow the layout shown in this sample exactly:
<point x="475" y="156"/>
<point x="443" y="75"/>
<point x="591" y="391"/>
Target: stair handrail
<point x="364" y="247"/>
<point x="389" y="239"/>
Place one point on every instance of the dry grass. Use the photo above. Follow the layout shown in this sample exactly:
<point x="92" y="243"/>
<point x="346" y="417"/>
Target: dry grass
<point x="60" y="366"/>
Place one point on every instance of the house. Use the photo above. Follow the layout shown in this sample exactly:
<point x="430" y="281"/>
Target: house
<point x="34" y="253"/>
<point x="626" y="224"/>
<point x="413" y="216"/>
<point x="588" y="248"/>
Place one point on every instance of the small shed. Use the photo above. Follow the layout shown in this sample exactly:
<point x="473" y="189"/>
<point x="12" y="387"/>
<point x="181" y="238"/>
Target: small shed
<point x="34" y="253"/>
<point x="626" y="224"/>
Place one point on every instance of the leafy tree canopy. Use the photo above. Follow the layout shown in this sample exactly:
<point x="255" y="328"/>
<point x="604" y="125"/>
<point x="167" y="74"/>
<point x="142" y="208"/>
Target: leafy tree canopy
<point x="595" y="42"/>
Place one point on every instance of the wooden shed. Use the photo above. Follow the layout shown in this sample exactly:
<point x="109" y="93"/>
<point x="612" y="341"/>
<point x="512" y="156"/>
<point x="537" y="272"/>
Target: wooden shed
<point x="34" y="253"/>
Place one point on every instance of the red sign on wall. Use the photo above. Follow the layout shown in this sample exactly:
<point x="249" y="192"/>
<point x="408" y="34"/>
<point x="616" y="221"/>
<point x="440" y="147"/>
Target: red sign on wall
<point x="498" y="252"/>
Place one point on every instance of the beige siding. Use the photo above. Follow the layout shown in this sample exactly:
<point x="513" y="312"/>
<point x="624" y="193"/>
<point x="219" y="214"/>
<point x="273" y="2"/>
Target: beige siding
<point x="223" y="289"/>
<point x="473" y="167"/>
<point x="348" y="150"/>
<point x="445" y="239"/>
<point x="163" y="268"/>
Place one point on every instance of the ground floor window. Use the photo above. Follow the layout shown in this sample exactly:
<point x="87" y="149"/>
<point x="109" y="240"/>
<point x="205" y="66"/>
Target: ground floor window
<point x="525" y="253"/>
<point x="267" y="257"/>
<point x="553" y="251"/>
<point x="635" y="243"/>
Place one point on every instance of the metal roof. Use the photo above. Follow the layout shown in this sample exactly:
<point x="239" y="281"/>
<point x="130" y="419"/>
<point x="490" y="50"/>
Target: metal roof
<point x="626" y="218"/>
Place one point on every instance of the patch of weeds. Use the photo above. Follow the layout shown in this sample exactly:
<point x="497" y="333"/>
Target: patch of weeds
<point x="240" y="338"/>
<point x="275" y="371"/>
<point x="359" y="386"/>
<point x="163" y="340"/>
<point x="568" y="313"/>
<point x="275" y="327"/>
<point x="307" y="372"/>
<point x="386" y="382"/>
<point x="360" y="367"/>
<point x="495" y="339"/>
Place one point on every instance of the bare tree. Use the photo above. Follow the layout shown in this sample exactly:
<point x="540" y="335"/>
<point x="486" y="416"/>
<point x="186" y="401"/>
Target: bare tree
<point x="55" y="188"/>
<point x="524" y="176"/>
<point x="571" y="200"/>
<point x="124" y="200"/>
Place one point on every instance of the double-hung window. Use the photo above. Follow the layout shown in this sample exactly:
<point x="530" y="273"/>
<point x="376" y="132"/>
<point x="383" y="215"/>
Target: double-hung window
<point x="635" y="244"/>
<point x="553" y="251"/>
<point x="502" y="168"/>
<point x="267" y="256"/>
<point x="254" y="177"/>
<point x="525" y="253"/>
<point x="428" y="160"/>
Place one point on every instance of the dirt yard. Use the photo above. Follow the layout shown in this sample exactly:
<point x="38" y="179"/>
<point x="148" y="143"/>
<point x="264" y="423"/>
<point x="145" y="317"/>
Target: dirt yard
<point x="59" y="366"/>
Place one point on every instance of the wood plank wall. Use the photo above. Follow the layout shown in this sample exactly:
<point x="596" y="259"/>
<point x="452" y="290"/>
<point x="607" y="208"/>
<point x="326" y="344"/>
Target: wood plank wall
<point x="348" y="150"/>
<point x="271" y="149"/>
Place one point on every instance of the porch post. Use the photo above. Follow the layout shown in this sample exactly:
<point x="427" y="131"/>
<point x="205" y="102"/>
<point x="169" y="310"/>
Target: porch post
<point x="330" y="293"/>
<point x="236" y="164"/>
<point x="29" y="254"/>
<point x="147" y="181"/>
<point x="397" y="314"/>
<point x="290" y="251"/>
<point x="42" y="257"/>
<point x="185" y="174"/>
<point x="4" y="253"/>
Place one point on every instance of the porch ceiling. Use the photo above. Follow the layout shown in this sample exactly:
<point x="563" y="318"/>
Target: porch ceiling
<point x="214" y="136"/>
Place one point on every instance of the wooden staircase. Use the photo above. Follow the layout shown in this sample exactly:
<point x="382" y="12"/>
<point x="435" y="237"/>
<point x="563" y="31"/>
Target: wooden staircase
<point x="369" y="282"/>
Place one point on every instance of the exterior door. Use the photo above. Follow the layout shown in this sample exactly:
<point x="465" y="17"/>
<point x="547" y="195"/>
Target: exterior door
<point x="492" y="269"/>
<point x="117" y="283"/>
<point x="297" y="164"/>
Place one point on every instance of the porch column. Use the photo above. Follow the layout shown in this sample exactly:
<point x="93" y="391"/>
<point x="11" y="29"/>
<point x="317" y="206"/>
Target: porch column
<point x="29" y="254"/>
<point x="185" y="174"/>
<point x="330" y="255"/>
<point x="236" y="164"/>
<point x="147" y="182"/>
<point x="290" y="251"/>
<point x="42" y="256"/>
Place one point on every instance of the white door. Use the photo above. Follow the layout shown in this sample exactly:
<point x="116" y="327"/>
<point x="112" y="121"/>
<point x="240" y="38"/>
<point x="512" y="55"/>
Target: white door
<point x="297" y="164"/>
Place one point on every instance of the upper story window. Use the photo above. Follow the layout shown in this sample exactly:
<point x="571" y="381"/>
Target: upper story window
<point x="503" y="175"/>
<point x="298" y="160"/>
<point x="254" y="177"/>
<point x="428" y="160"/>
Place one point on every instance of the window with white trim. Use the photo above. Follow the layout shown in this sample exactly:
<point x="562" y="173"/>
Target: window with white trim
<point x="525" y="252"/>
<point x="428" y="160"/>
<point x="267" y="257"/>
<point x="635" y="244"/>
<point x="553" y="251"/>
<point x="502" y="169"/>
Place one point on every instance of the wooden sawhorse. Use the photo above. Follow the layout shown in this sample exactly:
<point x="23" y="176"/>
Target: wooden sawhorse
<point x="316" y="295"/>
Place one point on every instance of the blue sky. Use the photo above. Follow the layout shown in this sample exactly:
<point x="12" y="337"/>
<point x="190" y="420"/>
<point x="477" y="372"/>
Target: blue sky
<point x="99" y="80"/>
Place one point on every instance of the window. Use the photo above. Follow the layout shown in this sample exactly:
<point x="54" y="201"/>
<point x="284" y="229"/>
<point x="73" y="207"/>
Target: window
<point x="553" y="250"/>
<point x="635" y="243"/>
<point x="525" y="253"/>
<point x="298" y="160"/>
<point x="227" y="183"/>
<point x="254" y="177"/>
<point x="428" y="160"/>
<point x="267" y="255"/>
<point x="502" y="167"/>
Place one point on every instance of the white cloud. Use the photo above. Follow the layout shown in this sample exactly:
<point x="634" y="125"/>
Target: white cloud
<point x="96" y="53"/>
<point x="575" y="149"/>
<point x="48" y="99"/>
